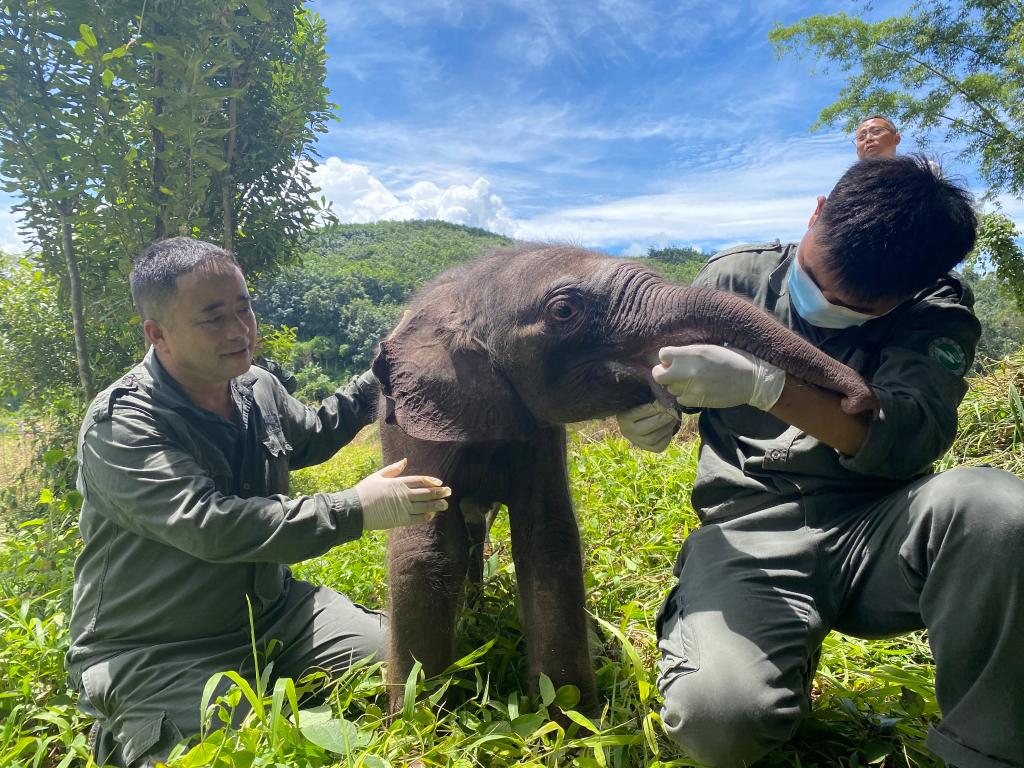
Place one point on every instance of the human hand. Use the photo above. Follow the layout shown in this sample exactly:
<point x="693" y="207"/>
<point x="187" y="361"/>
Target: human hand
<point x="649" y="426"/>
<point x="710" y="376"/>
<point x="390" y="501"/>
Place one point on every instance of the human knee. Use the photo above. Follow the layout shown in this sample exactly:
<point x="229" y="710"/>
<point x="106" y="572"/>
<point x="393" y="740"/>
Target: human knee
<point x="983" y="504"/>
<point x="726" y="730"/>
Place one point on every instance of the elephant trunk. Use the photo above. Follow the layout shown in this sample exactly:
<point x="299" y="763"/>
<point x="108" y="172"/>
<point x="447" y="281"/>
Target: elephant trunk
<point x="692" y="315"/>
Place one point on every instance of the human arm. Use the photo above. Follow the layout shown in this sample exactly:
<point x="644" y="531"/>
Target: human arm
<point x="818" y="413"/>
<point x="316" y="434"/>
<point x="710" y="376"/>
<point x="140" y="477"/>
<point x="918" y="382"/>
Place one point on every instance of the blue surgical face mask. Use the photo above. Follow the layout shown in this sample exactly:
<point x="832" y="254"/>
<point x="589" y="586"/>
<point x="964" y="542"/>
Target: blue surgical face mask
<point x="810" y="303"/>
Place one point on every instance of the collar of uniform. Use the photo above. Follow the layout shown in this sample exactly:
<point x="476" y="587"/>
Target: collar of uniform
<point x="777" y="281"/>
<point x="164" y="384"/>
<point x="241" y="391"/>
<point x="171" y="392"/>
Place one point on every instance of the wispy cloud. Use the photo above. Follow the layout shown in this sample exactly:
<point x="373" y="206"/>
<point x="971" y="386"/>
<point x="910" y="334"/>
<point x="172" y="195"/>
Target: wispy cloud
<point x="758" y="191"/>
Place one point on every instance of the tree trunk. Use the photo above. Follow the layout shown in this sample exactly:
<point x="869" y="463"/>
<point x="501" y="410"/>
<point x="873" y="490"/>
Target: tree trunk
<point x="227" y="184"/>
<point x="159" y="147"/>
<point x="77" y="307"/>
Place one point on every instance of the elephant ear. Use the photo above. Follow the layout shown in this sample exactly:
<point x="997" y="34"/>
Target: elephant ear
<point x="440" y="385"/>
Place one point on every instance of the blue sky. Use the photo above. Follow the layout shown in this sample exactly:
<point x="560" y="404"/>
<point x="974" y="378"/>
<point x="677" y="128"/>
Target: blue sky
<point x="614" y="124"/>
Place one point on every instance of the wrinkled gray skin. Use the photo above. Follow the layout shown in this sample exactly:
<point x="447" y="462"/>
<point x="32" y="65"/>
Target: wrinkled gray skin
<point x="477" y="382"/>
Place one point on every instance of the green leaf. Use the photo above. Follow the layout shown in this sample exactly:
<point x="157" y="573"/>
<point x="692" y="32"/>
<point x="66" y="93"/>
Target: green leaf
<point x="281" y="686"/>
<point x="651" y="733"/>
<point x="583" y="720"/>
<point x="876" y="751"/>
<point x="547" y="690"/>
<point x="314" y="715"/>
<point x="87" y="35"/>
<point x="469" y="660"/>
<point x="259" y="10"/>
<point x="117" y="53"/>
<point x="53" y="455"/>
<point x="337" y="736"/>
<point x="107" y="77"/>
<point x="526" y="724"/>
<point x="45" y="496"/>
<point x="513" y="705"/>
<point x="568" y="696"/>
<point x="1017" y="409"/>
<point x="409" y="697"/>
<point x="207" y="698"/>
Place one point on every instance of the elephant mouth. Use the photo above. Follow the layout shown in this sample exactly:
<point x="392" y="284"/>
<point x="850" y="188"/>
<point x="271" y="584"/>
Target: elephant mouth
<point x="641" y="365"/>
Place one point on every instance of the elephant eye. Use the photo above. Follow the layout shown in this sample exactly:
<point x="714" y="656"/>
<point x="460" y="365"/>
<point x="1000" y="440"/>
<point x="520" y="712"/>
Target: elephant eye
<point x="562" y="310"/>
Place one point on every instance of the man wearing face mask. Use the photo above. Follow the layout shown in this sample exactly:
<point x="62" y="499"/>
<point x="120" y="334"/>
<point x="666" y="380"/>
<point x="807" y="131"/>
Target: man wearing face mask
<point x="814" y="519"/>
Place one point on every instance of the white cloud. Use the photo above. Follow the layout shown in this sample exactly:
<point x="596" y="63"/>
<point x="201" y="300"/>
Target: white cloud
<point x="754" y="192"/>
<point x="358" y="196"/>
<point x="10" y="240"/>
<point x="635" y="249"/>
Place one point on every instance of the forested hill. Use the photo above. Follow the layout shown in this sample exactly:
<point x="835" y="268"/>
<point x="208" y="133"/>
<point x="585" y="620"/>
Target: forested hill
<point x="349" y="288"/>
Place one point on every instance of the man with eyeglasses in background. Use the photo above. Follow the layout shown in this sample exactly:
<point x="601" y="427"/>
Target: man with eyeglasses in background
<point x="876" y="137"/>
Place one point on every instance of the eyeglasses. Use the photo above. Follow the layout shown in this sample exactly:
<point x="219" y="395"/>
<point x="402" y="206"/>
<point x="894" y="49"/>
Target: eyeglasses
<point x="874" y="132"/>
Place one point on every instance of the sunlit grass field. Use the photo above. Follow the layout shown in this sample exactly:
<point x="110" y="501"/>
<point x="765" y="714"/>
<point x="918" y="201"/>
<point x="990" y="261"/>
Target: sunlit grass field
<point x="873" y="701"/>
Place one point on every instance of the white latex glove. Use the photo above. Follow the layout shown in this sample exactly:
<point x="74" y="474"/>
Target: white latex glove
<point x="649" y="426"/>
<point x="710" y="376"/>
<point x="390" y="501"/>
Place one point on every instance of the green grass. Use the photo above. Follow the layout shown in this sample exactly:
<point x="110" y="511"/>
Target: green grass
<point x="873" y="700"/>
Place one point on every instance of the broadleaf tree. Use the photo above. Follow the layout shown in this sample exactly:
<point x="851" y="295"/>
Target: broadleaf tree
<point x="123" y="121"/>
<point x="951" y="70"/>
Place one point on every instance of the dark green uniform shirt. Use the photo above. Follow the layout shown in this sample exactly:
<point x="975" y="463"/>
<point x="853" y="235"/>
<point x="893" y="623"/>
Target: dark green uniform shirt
<point x="186" y="514"/>
<point x="914" y="358"/>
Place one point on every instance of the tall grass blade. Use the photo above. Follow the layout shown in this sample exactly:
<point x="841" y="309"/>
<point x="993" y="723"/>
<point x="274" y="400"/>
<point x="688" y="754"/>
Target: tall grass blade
<point x="1017" y="410"/>
<point x="409" y="699"/>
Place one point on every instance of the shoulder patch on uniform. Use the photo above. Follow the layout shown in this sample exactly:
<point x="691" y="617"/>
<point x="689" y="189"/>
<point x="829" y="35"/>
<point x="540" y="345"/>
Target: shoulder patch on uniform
<point x="103" y="406"/>
<point x="949" y="354"/>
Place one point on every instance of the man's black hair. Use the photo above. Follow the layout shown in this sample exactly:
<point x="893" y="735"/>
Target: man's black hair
<point x="893" y="226"/>
<point x="159" y="265"/>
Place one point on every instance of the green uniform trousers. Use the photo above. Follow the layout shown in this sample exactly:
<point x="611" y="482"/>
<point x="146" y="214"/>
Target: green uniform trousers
<point x="147" y="700"/>
<point x="758" y="591"/>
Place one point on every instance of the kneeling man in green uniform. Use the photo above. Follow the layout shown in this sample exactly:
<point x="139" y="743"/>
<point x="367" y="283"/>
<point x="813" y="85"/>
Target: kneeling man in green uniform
<point x="814" y="519"/>
<point x="187" y="521"/>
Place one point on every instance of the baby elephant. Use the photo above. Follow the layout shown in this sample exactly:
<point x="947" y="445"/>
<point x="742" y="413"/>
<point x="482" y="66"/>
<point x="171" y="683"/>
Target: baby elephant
<point x="478" y="381"/>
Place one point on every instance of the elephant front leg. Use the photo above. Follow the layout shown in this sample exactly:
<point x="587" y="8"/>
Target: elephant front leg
<point x="549" y="571"/>
<point x="426" y="572"/>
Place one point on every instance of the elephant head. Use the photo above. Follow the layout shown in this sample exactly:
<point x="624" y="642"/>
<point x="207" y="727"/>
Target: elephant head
<point x="539" y="335"/>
